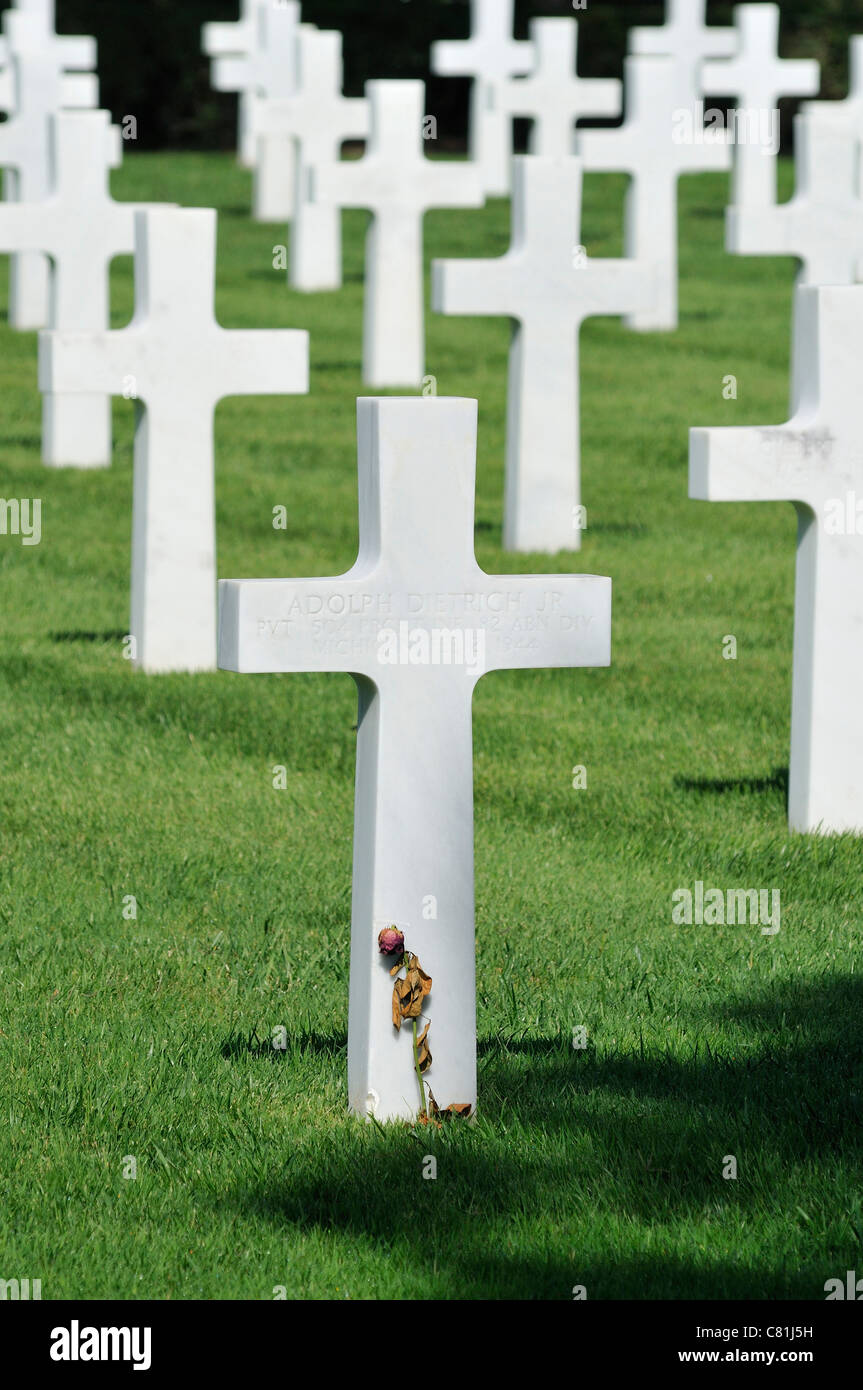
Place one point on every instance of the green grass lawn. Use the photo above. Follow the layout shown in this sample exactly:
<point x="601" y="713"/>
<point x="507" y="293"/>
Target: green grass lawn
<point x="149" y="1038"/>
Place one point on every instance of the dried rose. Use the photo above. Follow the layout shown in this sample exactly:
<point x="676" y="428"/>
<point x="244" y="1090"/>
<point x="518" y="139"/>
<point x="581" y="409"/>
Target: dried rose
<point x="390" y="940"/>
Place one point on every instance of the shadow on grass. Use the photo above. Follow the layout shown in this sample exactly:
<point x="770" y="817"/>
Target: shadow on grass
<point x="580" y="1156"/>
<point x="719" y="786"/>
<point x="117" y="636"/>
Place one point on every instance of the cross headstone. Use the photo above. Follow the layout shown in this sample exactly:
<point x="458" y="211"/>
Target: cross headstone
<point x="177" y="363"/>
<point x="416" y="622"/>
<point x="822" y="223"/>
<point x="396" y="182"/>
<point x="548" y="287"/>
<point x="42" y="86"/>
<point x="77" y="54"/>
<point x="848" y="113"/>
<point x="688" y="39"/>
<point x="268" y="70"/>
<point x="490" y="56"/>
<point x="647" y="148"/>
<point x="816" y="462"/>
<point x="237" y="39"/>
<point x="317" y="121"/>
<point x="758" y="77"/>
<point x="82" y="229"/>
<point x="554" y="97"/>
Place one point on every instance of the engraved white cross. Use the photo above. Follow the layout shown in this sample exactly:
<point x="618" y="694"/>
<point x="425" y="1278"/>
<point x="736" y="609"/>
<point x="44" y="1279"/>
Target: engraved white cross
<point x="41" y="85"/>
<point x="82" y="229"/>
<point x="398" y="184"/>
<point x="816" y="462"/>
<point x="309" y="128"/>
<point x="647" y="148"/>
<point x="554" y="97"/>
<point x="548" y="287"/>
<point x="490" y="56"/>
<point x="758" y="77"/>
<point x="415" y="589"/>
<point x="176" y="359"/>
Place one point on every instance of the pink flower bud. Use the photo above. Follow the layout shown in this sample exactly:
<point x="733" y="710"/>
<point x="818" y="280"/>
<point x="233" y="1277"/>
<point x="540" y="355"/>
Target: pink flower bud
<point x="390" y="940"/>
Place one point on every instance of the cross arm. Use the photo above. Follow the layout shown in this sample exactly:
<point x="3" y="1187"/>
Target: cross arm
<point x="80" y="90"/>
<point x="30" y="227"/>
<point x="748" y="464"/>
<point x="225" y="39"/>
<point x="344" y="182"/>
<point x="283" y="625"/>
<point x="77" y="52"/>
<point x="258" y="362"/>
<point x="449" y="59"/>
<point x="88" y="362"/>
<point x="231" y="72"/>
<point x="560" y="620"/>
<point x="476" y="287"/>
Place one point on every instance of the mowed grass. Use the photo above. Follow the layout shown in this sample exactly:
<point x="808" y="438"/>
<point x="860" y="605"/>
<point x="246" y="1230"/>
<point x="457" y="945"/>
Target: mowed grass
<point x="149" y="1038"/>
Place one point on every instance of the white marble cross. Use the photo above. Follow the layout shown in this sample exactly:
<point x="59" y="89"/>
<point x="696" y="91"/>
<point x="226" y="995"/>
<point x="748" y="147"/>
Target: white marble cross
<point x="398" y="184"/>
<point x="758" y="77"/>
<point x="82" y="229"/>
<point x="554" y="97"/>
<point x="823" y="223"/>
<point x="846" y="114"/>
<point x="647" y="148"/>
<point x="490" y="56"/>
<point x="75" y="54"/>
<point x="548" y="287"/>
<point x="237" y="40"/>
<point x="688" y="39"/>
<point x="816" y="462"/>
<point x="37" y="63"/>
<point x="268" y="70"/>
<point x="177" y="363"/>
<point x="315" y="122"/>
<point x="416" y="622"/>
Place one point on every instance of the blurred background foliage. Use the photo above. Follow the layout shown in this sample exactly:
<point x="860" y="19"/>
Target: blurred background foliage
<point x="151" y="65"/>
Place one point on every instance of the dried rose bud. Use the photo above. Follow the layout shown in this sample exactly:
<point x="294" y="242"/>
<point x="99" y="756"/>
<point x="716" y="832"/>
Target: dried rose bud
<point x="390" y="940"/>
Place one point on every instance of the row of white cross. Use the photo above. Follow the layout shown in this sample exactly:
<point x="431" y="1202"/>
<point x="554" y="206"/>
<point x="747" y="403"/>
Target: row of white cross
<point x="416" y="587"/>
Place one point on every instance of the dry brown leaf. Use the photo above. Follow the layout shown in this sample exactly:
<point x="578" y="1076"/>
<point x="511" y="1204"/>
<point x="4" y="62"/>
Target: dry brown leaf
<point x="424" y="1057"/>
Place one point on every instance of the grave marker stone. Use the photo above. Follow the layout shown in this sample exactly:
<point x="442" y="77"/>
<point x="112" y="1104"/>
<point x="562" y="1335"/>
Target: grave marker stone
<point x="758" y="77"/>
<point x="267" y="71"/>
<point x="646" y="148"/>
<point x="398" y="184"/>
<point x="491" y="55"/>
<point x="82" y="229"/>
<point x="177" y="363"/>
<point x="548" y="288"/>
<point x="689" y="40"/>
<point x="416" y="622"/>
<point x="554" y="97"/>
<point x="822" y="224"/>
<point x="236" y="39"/>
<point x="37" y="61"/>
<point x="317" y="121"/>
<point x="816" y="462"/>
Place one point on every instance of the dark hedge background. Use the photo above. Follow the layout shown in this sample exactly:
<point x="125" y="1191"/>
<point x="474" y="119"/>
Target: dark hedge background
<point x="151" y="65"/>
